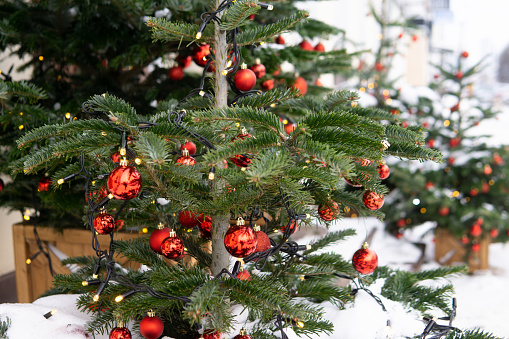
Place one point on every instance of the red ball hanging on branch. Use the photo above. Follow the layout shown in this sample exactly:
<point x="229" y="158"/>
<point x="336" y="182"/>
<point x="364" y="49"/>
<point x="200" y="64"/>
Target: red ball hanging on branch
<point x="267" y="85"/>
<point x="244" y="275"/>
<point x="172" y="247"/>
<point x="494" y="233"/>
<point x="306" y="45"/>
<point x="464" y="54"/>
<point x="186" y="159"/>
<point x="210" y="334"/>
<point x="104" y="223"/>
<point x="242" y="160"/>
<point x="293" y="227"/>
<point x="44" y="184"/>
<point x="190" y="146"/>
<point x="124" y="181"/>
<point x="365" y="260"/>
<point x="120" y="332"/>
<point x="301" y="84"/>
<point x="242" y="335"/>
<point x="328" y="211"/>
<point x="459" y="75"/>
<point x="280" y="40"/>
<point x="184" y="60"/>
<point x="476" y="230"/>
<point x="258" y="69"/>
<point x="245" y="79"/>
<point x="176" y="73"/>
<point x="157" y="237"/>
<point x="240" y="240"/>
<point x="116" y="157"/>
<point x="206" y="229"/>
<point x="263" y="240"/>
<point x="319" y="47"/>
<point x="383" y="171"/>
<point x="188" y="219"/>
<point x="200" y="54"/>
<point x="373" y="200"/>
<point x="151" y="327"/>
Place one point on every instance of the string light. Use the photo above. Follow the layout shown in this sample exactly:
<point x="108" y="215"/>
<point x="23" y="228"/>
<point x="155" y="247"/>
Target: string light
<point x="138" y="161"/>
<point x="50" y="314"/>
<point x="21" y="127"/>
<point x="41" y="58"/>
<point x="362" y="89"/>
<point x="68" y="115"/>
<point x="447" y="123"/>
<point x="144" y="230"/>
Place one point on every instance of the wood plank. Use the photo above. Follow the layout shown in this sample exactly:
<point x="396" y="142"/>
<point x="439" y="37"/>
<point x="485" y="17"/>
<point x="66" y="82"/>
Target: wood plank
<point x="23" y="278"/>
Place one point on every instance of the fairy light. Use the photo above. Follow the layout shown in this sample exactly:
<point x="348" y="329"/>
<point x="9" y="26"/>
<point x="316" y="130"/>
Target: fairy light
<point x="491" y="182"/>
<point x="371" y="85"/>
<point x="96" y="297"/>
<point x="362" y="89"/>
<point x="119" y="298"/>
<point x="385" y="92"/>
<point x="144" y="230"/>
<point x="388" y="101"/>
<point x="20" y="113"/>
<point x="198" y="35"/>
<point x="212" y="173"/>
<point x="41" y="58"/>
<point x="68" y="115"/>
<point x="28" y="261"/>
<point x="138" y="161"/>
<point x="447" y="123"/>
<point x="423" y="210"/>
<point x="21" y="127"/>
<point x="416" y="201"/>
<point x="50" y="314"/>
<point x="455" y="194"/>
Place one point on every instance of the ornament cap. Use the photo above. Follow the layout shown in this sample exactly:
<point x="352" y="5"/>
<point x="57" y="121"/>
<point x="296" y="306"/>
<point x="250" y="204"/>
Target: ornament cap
<point x="258" y="61"/>
<point x="240" y="221"/>
<point x="151" y="313"/>
<point x="172" y="233"/>
<point x="120" y="323"/>
<point x="256" y="228"/>
<point x="124" y="162"/>
<point x="365" y="246"/>
<point x="160" y="226"/>
<point x="243" y="66"/>
<point x="243" y="332"/>
<point x="185" y="152"/>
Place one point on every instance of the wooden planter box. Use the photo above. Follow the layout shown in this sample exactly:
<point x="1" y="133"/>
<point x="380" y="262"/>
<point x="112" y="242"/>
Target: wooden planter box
<point x="450" y="251"/>
<point x="34" y="279"/>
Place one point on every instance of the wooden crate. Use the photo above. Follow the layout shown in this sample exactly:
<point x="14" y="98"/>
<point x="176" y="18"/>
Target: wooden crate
<point x="34" y="279"/>
<point x="449" y="250"/>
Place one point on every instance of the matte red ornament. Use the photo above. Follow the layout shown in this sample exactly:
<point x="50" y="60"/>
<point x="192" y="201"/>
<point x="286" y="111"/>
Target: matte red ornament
<point x="301" y="84"/>
<point x="280" y="40"/>
<point x="289" y="127"/>
<point x="157" y="237"/>
<point x="120" y="333"/>
<point x="487" y="170"/>
<point x="206" y="229"/>
<point x="399" y="235"/>
<point x="44" y="184"/>
<point x="267" y="85"/>
<point x="319" y="47"/>
<point x="494" y="233"/>
<point x="172" y="247"/>
<point x="244" y="275"/>
<point x="1" y="185"/>
<point x="383" y="170"/>
<point x="115" y="157"/>
<point x="415" y="37"/>
<point x="464" y="54"/>
<point x="306" y="45"/>
<point x="293" y="227"/>
<point x="263" y="240"/>
<point x="124" y="181"/>
<point x="365" y="260"/>
<point x="454" y="142"/>
<point x="190" y="146"/>
<point x="459" y="75"/>
<point x="186" y="159"/>
<point x="184" y="61"/>
<point x="151" y="326"/>
<point x="200" y="54"/>
<point x="379" y="66"/>
<point x="188" y="219"/>
<point x="244" y="80"/>
<point x="258" y="69"/>
<point x="242" y="335"/>
<point x="210" y="334"/>
<point x="444" y="211"/>
<point x="476" y="248"/>
<point x="240" y="240"/>
<point x="464" y="240"/>
<point x="328" y="211"/>
<point x="476" y="230"/>
<point x="372" y="200"/>
<point x="176" y="73"/>
<point x="104" y="223"/>
<point x="401" y="223"/>
<point x="242" y="160"/>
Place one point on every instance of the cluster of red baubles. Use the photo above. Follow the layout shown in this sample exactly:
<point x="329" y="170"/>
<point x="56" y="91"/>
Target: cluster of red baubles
<point x="241" y="240"/>
<point x="151" y="327"/>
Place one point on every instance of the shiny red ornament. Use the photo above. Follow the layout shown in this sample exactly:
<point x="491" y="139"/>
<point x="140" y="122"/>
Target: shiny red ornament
<point x="293" y="227"/>
<point x="474" y="191"/>
<point x="401" y="223"/>
<point x="328" y="211"/>
<point x="157" y="237"/>
<point x="444" y="211"/>
<point x="151" y="326"/>
<point x="184" y="61"/>
<point x="399" y="235"/>
<point x="104" y="223"/>
<point x="190" y="146"/>
<point x="242" y="160"/>
<point x="306" y="45"/>
<point x="176" y="73"/>
<point x="497" y="159"/>
<point x="431" y="143"/>
<point x="476" y="230"/>
<point x="319" y="47"/>
<point x="242" y="335"/>
<point x="210" y="334"/>
<point x="240" y="240"/>
<point x="476" y="248"/>
<point x="120" y="333"/>
<point x="205" y="229"/>
<point x="485" y="188"/>
<point x="244" y="275"/>
<point x="318" y="83"/>
<point x="258" y="69"/>
<point x="301" y="84"/>
<point x="124" y="181"/>
<point x="280" y="40"/>
<point x="290" y="127"/>
<point x="244" y="80"/>
<point x="172" y="247"/>
<point x="188" y="219"/>
<point x="1" y="185"/>
<point x="115" y="157"/>
<point x="44" y="184"/>
<point x="372" y="200"/>
<point x="383" y="170"/>
<point x="365" y="260"/>
<point x="97" y="195"/>
<point x="494" y="233"/>
<point x="464" y="54"/>
<point x="459" y="75"/>
<point x="186" y="159"/>
<point x="267" y="85"/>
<point x="200" y="54"/>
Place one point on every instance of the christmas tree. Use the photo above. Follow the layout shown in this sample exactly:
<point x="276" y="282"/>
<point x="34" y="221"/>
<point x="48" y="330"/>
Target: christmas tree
<point x="222" y="155"/>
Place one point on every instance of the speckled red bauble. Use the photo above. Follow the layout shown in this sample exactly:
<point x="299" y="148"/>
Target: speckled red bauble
<point x="172" y="247"/>
<point x="176" y="73"/>
<point x="365" y="260"/>
<point x="188" y="219"/>
<point x="242" y="335"/>
<point x="383" y="171"/>
<point x="190" y="146"/>
<point x="267" y="85"/>
<point x="200" y="54"/>
<point x="124" y="181"/>
<point x="328" y="211"/>
<point x="319" y="47"/>
<point x="263" y="240"/>
<point x="104" y="223"/>
<point x="157" y="237"/>
<point x="258" y="69"/>
<point x="186" y="159"/>
<point x="244" y="79"/>
<point x="44" y="184"/>
<point x="242" y="160"/>
<point x="120" y="333"/>
<point x="301" y="84"/>
<point x="151" y="326"/>
<point x="306" y="45"/>
<point x="210" y="334"/>
<point x="205" y="229"/>
<point x="240" y="240"/>
<point x="116" y="157"/>
<point x="372" y="200"/>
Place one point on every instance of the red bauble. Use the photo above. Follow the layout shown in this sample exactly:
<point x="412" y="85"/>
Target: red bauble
<point x="267" y="85"/>
<point x="464" y="54"/>
<point x="210" y="334"/>
<point x="383" y="171"/>
<point x="487" y="170"/>
<point x="172" y="247"/>
<point x="124" y="182"/>
<point x="454" y="142"/>
<point x="186" y="159"/>
<point x="244" y="275"/>
<point x="280" y="40"/>
<point x="200" y="54"/>
<point x="205" y="229"/>
<point x="306" y="45"/>
<point x="464" y="240"/>
<point x="188" y="219"/>
<point x="401" y="223"/>
<point x="320" y="47"/>
<point x="120" y="333"/>
<point x="476" y="248"/>
<point x="459" y="75"/>
<point x="44" y="184"/>
<point x="365" y="260"/>
<point x="476" y="230"/>
<point x="318" y="83"/>
<point x="328" y="211"/>
<point x="240" y="240"/>
<point x="119" y="224"/>
<point x="242" y="335"/>
<point x="258" y="69"/>
<point x="289" y="127"/>
<point x="494" y="233"/>
<point x="415" y="37"/>
<point x="190" y="146"/>
<point x="242" y="160"/>
<point x="151" y="327"/>
<point x="444" y="211"/>
<point x="263" y="241"/>
<point x="104" y="223"/>
<point x="184" y="61"/>
<point x="474" y="192"/>
<point x="176" y="73"/>
<point x="97" y="195"/>
<point x="352" y="183"/>
<point x="244" y="80"/>
<point x="157" y="237"/>
<point x="485" y="188"/>
<point x="301" y="84"/>
<point x="115" y="157"/>
<point x="399" y="235"/>
<point x="379" y="66"/>
<point x="372" y="200"/>
<point x="1" y="185"/>
<point x="293" y="227"/>
<point x="431" y="143"/>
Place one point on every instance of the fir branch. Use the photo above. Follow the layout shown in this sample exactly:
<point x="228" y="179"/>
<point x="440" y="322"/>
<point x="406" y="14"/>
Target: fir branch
<point x="238" y="14"/>
<point x="329" y="239"/>
<point x="339" y="98"/>
<point x="137" y="250"/>
<point x="268" y="98"/>
<point x="166" y="31"/>
<point x="152" y="148"/>
<point x="471" y="334"/>
<point x="4" y="326"/>
<point x="22" y="89"/>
